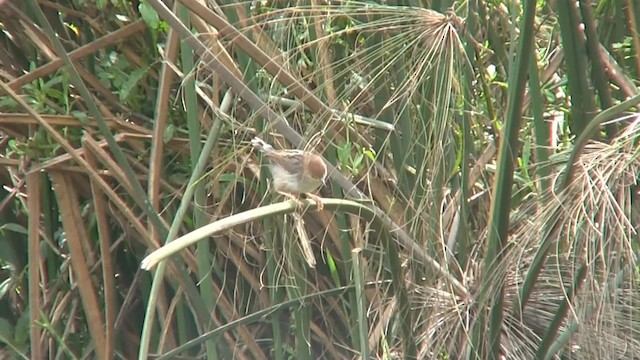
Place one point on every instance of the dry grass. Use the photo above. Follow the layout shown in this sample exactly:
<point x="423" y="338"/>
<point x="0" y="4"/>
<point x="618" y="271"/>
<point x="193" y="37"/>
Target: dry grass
<point x="97" y="176"/>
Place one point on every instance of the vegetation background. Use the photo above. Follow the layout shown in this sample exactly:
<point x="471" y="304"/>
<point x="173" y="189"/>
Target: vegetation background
<point x="483" y="201"/>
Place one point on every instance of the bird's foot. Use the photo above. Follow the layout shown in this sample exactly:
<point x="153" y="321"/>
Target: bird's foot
<point x="292" y="197"/>
<point x="317" y="199"/>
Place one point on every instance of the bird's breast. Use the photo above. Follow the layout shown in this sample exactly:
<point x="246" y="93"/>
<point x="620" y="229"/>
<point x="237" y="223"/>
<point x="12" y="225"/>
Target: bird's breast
<point x="285" y="181"/>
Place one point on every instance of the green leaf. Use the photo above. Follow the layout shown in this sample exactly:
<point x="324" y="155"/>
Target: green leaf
<point x="80" y="115"/>
<point x="21" y="333"/>
<point x="343" y="153"/>
<point x="149" y="15"/>
<point x="131" y="82"/>
<point x="6" y="331"/>
<point x="370" y="154"/>
<point x="15" y="228"/>
<point x="357" y="163"/>
<point x="333" y="269"/>
<point x="18" y="148"/>
<point x="168" y="133"/>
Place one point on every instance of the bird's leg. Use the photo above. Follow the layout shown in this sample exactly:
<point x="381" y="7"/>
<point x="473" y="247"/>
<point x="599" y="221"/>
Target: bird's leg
<point x="317" y="199"/>
<point x="291" y="197"/>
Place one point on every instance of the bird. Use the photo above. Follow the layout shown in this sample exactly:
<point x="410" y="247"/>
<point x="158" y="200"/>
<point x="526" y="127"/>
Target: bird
<point x="294" y="172"/>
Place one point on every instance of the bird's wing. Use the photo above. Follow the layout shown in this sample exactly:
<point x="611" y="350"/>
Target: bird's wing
<point x="285" y="161"/>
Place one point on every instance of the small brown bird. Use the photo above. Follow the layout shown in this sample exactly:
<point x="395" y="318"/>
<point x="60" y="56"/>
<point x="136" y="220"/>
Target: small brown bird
<point x="294" y="172"/>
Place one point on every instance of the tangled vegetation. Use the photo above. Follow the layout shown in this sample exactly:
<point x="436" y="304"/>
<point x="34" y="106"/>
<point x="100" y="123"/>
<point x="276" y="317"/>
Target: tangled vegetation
<point x="482" y="202"/>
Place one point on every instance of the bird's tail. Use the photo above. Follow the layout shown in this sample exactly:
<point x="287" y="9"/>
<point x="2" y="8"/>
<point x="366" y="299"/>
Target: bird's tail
<point x="261" y="145"/>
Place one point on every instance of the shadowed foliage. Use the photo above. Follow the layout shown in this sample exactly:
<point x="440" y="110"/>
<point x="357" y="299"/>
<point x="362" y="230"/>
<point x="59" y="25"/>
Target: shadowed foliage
<point x="482" y="200"/>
